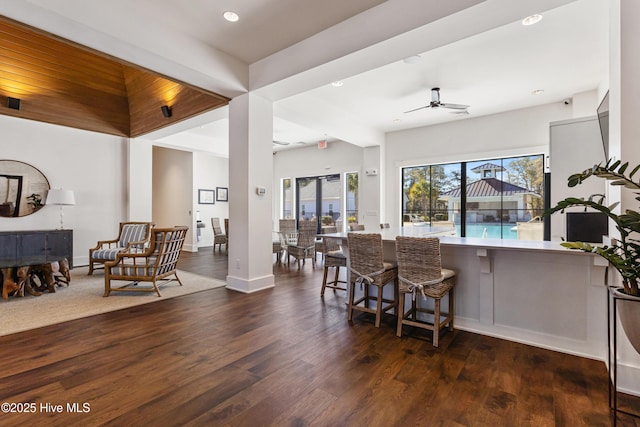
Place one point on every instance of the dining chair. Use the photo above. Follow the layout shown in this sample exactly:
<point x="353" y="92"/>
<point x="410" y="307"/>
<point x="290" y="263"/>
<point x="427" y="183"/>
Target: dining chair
<point x="305" y="246"/>
<point x="326" y="229"/>
<point x="333" y="257"/>
<point x="420" y="273"/>
<point x="288" y="233"/>
<point x="367" y="268"/>
<point x="226" y="231"/>
<point x="219" y="238"/>
<point x="276" y="245"/>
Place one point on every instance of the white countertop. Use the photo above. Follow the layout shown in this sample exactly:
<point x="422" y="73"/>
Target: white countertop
<point x="389" y="235"/>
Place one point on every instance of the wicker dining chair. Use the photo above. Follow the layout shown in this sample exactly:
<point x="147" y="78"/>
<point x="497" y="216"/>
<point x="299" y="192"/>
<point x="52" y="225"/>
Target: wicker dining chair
<point x="226" y="231"/>
<point x="354" y="226"/>
<point x="319" y="241"/>
<point x="219" y="238"/>
<point x="333" y="257"/>
<point x="288" y="233"/>
<point x="305" y="246"/>
<point x="367" y="268"/>
<point x="420" y="272"/>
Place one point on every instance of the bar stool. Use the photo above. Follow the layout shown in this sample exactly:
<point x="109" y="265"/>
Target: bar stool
<point x="333" y="257"/>
<point x="420" y="271"/>
<point x="367" y="268"/>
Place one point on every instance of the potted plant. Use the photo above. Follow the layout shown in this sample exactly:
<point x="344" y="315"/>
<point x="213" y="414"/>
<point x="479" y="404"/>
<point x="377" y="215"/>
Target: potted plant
<point x="622" y="254"/>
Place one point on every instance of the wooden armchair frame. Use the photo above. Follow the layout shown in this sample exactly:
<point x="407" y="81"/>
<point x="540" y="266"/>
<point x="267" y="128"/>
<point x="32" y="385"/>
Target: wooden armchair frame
<point x="113" y="246"/>
<point x="157" y="262"/>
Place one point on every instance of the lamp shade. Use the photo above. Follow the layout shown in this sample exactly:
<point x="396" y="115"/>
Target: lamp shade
<point x="60" y="197"/>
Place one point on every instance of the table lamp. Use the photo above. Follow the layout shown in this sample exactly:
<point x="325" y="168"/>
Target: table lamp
<point x="61" y="198"/>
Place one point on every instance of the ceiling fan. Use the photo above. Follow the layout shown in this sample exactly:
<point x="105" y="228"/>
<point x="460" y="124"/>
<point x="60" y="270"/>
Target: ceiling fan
<point x="435" y="102"/>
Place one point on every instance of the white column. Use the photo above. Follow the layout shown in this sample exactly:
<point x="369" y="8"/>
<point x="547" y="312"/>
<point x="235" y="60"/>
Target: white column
<point x="369" y="192"/>
<point x="250" y="214"/>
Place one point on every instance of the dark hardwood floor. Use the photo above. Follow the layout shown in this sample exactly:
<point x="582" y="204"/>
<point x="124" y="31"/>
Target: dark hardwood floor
<point x="286" y="357"/>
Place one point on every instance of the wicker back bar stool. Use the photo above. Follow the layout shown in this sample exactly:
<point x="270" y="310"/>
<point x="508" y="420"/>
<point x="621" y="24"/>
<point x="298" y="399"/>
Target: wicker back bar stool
<point x="420" y="272"/>
<point x="333" y="258"/>
<point x="366" y="269"/>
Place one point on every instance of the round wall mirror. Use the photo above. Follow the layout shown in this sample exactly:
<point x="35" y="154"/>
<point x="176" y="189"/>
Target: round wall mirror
<point x="23" y="189"/>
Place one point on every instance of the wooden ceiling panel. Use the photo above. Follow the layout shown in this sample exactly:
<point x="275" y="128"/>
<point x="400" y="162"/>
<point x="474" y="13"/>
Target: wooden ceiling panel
<point x="148" y="93"/>
<point x="63" y="83"/>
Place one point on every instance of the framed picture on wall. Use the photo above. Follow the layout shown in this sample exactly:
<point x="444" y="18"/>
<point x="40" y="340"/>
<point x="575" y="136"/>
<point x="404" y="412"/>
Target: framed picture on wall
<point x="206" y="197"/>
<point x="222" y="194"/>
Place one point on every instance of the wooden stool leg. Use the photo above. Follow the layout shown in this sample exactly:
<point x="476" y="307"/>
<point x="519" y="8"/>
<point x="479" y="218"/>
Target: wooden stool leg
<point x="436" y="322"/>
<point x="352" y="293"/>
<point x="451" y="301"/>
<point x="400" y="311"/>
<point x="324" y="280"/>
<point x="379" y="307"/>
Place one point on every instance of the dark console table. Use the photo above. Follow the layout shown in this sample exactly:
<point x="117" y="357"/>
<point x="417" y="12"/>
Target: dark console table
<point x="22" y="248"/>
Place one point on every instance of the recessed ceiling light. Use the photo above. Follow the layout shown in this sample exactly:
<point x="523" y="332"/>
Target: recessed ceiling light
<point x="397" y="120"/>
<point x="537" y="92"/>
<point x="413" y="59"/>
<point x="337" y="83"/>
<point x="231" y="16"/>
<point x="531" y="19"/>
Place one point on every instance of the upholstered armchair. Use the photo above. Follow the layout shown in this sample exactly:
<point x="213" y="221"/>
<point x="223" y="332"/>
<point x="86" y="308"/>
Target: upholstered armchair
<point x="133" y="236"/>
<point x="157" y="262"/>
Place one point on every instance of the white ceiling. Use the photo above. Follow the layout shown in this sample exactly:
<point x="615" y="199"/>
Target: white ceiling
<point x="492" y="71"/>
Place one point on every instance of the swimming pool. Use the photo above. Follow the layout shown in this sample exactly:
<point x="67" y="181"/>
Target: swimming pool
<point x="493" y="230"/>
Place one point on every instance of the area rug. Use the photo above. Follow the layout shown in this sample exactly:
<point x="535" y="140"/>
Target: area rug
<point x="83" y="297"/>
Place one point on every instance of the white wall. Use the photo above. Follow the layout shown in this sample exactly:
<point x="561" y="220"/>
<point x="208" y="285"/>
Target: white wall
<point x="513" y="133"/>
<point x="209" y="172"/>
<point x="172" y="191"/>
<point x="140" y="179"/>
<point x="90" y="164"/>
<point x="338" y="157"/>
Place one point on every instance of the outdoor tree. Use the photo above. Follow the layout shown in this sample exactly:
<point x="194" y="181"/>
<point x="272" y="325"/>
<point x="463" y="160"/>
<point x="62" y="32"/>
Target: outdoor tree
<point x="352" y="187"/>
<point x="528" y="172"/>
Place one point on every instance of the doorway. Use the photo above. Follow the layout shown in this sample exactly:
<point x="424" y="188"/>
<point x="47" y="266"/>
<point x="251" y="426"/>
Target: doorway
<point x="319" y="198"/>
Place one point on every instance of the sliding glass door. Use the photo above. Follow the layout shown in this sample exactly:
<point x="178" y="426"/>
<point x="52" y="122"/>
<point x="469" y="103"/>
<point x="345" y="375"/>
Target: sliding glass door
<point x="319" y="198"/>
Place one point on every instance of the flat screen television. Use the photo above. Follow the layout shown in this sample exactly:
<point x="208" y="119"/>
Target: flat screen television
<point x="603" y="120"/>
<point x="587" y="226"/>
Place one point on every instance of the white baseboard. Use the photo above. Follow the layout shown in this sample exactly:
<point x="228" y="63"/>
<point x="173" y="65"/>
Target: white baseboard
<point x="537" y="339"/>
<point x="248" y="286"/>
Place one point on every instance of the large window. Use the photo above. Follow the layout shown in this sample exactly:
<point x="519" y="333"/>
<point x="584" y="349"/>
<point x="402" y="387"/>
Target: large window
<point x="287" y="198"/>
<point x="352" y="197"/>
<point x="500" y="198"/>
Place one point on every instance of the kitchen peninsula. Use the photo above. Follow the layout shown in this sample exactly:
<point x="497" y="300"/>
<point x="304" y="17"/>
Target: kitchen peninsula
<point x="534" y="292"/>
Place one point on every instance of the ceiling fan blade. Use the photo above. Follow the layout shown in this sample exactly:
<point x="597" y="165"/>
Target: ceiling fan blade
<point x="416" y="109"/>
<point x="280" y="143"/>
<point x="455" y="106"/>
